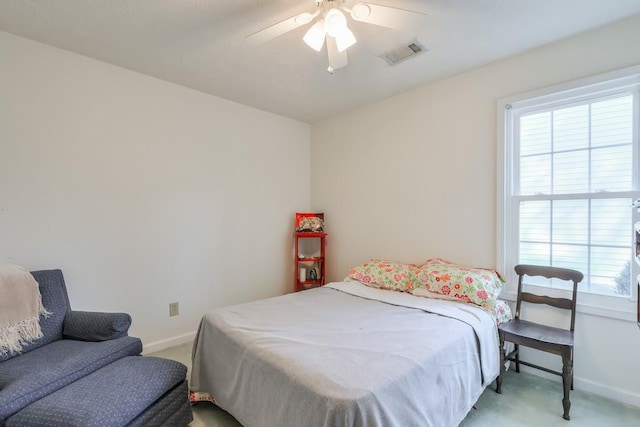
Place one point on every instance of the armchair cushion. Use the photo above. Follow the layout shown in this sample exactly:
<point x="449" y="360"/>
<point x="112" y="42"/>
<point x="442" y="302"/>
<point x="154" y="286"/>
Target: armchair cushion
<point x="111" y="396"/>
<point x="33" y="375"/>
<point x="95" y="326"/>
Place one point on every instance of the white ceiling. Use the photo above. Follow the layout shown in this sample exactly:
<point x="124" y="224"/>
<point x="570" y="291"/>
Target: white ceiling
<point x="201" y="44"/>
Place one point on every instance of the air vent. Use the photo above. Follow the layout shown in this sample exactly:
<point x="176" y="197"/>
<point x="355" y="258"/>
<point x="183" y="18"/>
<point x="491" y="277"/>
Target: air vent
<point x="402" y="53"/>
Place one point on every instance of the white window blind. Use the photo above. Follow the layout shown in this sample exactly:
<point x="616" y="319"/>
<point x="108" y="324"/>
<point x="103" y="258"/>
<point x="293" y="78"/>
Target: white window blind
<point x="573" y="161"/>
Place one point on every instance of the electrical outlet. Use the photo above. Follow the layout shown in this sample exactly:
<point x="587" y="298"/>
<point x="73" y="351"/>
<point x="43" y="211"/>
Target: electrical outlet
<point x="174" y="309"/>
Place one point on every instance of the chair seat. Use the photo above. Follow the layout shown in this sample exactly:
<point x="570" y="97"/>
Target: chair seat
<point x="537" y="332"/>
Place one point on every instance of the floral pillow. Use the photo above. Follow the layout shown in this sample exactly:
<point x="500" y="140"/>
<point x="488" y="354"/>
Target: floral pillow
<point x="472" y="285"/>
<point x="386" y="275"/>
<point x="498" y="309"/>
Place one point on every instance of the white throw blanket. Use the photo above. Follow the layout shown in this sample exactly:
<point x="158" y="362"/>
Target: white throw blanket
<point x="20" y="309"/>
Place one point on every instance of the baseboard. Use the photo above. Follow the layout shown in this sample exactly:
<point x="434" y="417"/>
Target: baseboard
<point x="152" y="347"/>
<point x="613" y="393"/>
<point x="609" y="392"/>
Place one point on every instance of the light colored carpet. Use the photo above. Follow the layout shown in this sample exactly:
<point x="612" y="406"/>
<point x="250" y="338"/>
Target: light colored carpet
<point x="526" y="400"/>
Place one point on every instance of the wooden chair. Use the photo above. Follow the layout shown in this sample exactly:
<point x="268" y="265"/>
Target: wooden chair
<point x="541" y="337"/>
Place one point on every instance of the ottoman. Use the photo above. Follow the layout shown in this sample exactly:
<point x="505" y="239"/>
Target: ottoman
<point x="134" y="390"/>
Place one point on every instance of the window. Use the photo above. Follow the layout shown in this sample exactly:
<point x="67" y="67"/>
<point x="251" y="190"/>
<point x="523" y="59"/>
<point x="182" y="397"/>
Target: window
<point x="571" y="173"/>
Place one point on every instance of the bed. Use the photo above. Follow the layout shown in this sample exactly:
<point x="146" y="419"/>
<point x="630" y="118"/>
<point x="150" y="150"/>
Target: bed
<point x="345" y="355"/>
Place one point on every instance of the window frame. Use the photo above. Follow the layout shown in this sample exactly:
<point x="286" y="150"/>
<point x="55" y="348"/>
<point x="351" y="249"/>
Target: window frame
<point x="609" y="84"/>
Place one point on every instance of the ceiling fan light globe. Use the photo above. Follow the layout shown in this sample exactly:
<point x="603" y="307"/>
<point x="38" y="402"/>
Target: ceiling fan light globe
<point x="345" y="39"/>
<point x="334" y="22"/>
<point x="314" y="38"/>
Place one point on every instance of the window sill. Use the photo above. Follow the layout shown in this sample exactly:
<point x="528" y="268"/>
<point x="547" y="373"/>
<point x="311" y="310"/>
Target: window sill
<point x="594" y="310"/>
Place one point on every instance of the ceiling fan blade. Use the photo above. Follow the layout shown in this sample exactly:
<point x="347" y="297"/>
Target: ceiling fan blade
<point x="281" y="27"/>
<point x="337" y="59"/>
<point x="387" y="16"/>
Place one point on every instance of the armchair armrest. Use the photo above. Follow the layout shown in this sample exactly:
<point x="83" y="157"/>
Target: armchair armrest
<point x="95" y="326"/>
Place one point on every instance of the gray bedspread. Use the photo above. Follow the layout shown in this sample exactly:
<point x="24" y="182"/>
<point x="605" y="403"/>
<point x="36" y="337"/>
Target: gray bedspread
<point x="346" y="355"/>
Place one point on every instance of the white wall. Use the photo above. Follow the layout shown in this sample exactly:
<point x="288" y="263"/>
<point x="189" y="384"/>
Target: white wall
<point x="414" y="177"/>
<point x="144" y="192"/>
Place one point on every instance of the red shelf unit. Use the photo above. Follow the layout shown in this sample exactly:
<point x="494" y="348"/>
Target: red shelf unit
<point x="317" y="262"/>
<point x="308" y="262"/>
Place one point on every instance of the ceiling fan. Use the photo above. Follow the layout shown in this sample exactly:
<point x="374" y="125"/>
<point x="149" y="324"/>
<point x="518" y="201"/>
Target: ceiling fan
<point x="331" y="25"/>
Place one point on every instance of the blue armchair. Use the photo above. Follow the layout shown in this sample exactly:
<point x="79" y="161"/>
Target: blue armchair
<point x="75" y="345"/>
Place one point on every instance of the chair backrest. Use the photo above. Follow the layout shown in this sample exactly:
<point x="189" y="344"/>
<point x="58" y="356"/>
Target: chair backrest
<point x="550" y="273"/>
<point x="56" y="300"/>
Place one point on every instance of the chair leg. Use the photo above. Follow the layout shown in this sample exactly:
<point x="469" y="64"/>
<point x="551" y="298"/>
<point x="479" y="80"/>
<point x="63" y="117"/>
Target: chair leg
<point x="516" y="349"/>
<point x="567" y="380"/>
<point x="572" y="381"/>
<point x="571" y="370"/>
<point x="502" y="370"/>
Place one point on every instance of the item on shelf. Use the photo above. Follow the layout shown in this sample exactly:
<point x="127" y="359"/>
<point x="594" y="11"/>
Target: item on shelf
<point x="313" y="275"/>
<point x="310" y="222"/>
<point x="303" y="274"/>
